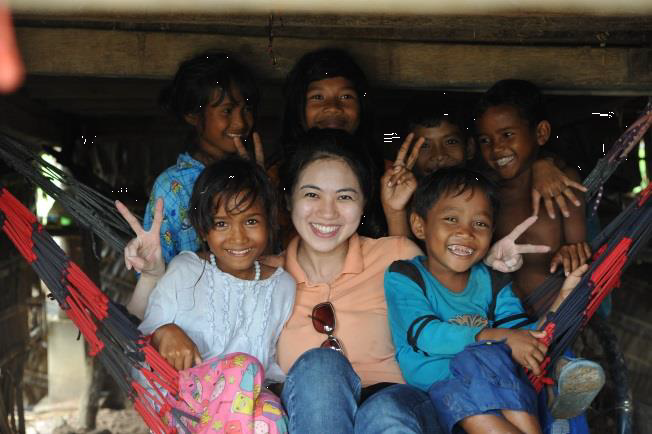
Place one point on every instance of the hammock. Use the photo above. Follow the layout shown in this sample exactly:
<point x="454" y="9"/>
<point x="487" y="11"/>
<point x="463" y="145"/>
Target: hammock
<point x="112" y="337"/>
<point x="89" y="208"/>
<point x="614" y="249"/>
<point x="126" y="353"/>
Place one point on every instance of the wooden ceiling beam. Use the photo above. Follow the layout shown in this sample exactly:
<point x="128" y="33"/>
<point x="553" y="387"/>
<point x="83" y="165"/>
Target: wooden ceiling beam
<point x="504" y="29"/>
<point x="155" y="55"/>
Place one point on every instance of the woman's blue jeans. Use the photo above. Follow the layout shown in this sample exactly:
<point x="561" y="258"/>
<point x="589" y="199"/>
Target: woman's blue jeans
<point x="321" y="394"/>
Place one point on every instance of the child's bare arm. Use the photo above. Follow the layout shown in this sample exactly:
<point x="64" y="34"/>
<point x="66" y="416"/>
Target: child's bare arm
<point x="143" y="254"/>
<point x="527" y="350"/>
<point x="176" y="347"/>
<point x="569" y="284"/>
<point x="575" y="250"/>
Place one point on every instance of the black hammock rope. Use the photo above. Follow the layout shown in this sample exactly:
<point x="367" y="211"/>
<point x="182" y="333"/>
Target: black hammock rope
<point x="88" y="207"/>
<point x="125" y="352"/>
<point x="614" y="249"/>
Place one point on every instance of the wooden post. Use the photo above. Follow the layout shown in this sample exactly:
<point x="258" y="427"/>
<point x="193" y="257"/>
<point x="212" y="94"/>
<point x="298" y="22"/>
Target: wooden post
<point x="89" y="401"/>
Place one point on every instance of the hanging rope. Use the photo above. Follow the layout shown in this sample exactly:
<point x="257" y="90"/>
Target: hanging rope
<point x="608" y="164"/>
<point x="89" y="208"/>
<point x="615" y="248"/>
<point x="112" y="337"/>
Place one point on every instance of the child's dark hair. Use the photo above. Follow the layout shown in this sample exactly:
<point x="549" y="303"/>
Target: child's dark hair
<point x="197" y="78"/>
<point x="317" y="144"/>
<point x="228" y="178"/>
<point x="430" y="114"/>
<point x="523" y="95"/>
<point x="315" y="66"/>
<point x="455" y="181"/>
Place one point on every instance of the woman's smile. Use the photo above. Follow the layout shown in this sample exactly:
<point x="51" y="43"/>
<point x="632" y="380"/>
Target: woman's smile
<point x="325" y="231"/>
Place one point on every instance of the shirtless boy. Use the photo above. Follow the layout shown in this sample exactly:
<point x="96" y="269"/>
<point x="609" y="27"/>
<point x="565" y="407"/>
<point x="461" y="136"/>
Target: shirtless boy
<point x="511" y="126"/>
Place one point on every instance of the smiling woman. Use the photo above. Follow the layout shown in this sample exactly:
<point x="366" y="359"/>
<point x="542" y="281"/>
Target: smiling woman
<point x="342" y="374"/>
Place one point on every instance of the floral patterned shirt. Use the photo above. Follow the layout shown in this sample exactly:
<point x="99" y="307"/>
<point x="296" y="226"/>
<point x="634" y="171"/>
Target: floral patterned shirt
<point x="175" y="185"/>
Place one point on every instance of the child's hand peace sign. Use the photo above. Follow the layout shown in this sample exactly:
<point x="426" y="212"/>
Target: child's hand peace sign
<point x="505" y="254"/>
<point x="143" y="253"/>
<point x="258" y="149"/>
<point x="398" y="183"/>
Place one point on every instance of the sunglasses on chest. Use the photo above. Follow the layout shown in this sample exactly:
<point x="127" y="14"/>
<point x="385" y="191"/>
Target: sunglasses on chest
<point x="323" y="320"/>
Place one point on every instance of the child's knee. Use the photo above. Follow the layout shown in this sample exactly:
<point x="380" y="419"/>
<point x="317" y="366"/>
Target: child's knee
<point x="240" y="360"/>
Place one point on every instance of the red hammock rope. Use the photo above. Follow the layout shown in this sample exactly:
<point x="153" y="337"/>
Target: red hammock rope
<point x="91" y="311"/>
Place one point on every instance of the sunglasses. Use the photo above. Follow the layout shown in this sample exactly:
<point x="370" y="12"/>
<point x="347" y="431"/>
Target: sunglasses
<point x="323" y="320"/>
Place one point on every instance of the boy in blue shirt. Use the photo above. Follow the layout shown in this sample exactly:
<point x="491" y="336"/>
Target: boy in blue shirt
<point x="452" y="339"/>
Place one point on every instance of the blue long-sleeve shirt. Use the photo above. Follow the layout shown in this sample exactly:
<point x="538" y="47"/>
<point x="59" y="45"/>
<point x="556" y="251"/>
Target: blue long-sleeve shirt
<point x="461" y="316"/>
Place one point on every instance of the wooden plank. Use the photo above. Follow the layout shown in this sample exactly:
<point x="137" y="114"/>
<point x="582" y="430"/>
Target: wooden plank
<point x="471" y="7"/>
<point x="106" y="53"/>
<point x="514" y="29"/>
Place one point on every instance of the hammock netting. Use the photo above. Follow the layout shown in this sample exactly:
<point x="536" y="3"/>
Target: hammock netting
<point x="88" y="207"/>
<point x="127" y="354"/>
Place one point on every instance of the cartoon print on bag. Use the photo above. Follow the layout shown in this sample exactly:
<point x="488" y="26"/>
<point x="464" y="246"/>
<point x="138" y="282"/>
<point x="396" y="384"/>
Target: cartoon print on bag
<point x="188" y="391"/>
<point x="218" y="388"/>
<point x="282" y="425"/>
<point x="217" y="425"/>
<point x="261" y="427"/>
<point x="236" y="362"/>
<point x="242" y="404"/>
<point x="196" y="394"/>
<point x="272" y="410"/>
<point x="248" y="377"/>
<point x="205" y="418"/>
<point x="233" y="427"/>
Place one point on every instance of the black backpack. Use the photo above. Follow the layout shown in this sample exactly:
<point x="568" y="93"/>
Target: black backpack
<point x="498" y="281"/>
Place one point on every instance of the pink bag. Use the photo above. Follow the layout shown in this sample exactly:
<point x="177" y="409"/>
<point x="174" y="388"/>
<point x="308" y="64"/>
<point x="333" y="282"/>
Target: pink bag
<point x="226" y="396"/>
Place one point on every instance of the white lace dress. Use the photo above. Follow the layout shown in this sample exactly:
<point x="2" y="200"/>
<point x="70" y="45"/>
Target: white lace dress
<point x="221" y="313"/>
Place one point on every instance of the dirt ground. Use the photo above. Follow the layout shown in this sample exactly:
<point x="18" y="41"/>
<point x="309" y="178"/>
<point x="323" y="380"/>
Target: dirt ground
<point x="62" y="419"/>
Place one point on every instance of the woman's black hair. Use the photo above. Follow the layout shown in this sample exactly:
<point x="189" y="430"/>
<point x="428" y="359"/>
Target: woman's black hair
<point x="232" y="177"/>
<point x="198" y="77"/>
<point x="320" y="65"/>
<point x="455" y="181"/>
<point x="318" y="144"/>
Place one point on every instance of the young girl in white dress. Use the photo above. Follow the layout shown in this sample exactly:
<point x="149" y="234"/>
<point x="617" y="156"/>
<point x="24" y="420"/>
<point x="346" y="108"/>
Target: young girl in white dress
<point x="216" y="315"/>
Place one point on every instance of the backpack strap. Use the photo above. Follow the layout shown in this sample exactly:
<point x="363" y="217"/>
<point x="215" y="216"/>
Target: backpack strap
<point x="409" y="270"/>
<point x="498" y="281"/>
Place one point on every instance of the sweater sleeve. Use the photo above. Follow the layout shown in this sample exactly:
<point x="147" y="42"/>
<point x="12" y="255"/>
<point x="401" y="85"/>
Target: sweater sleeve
<point x="162" y="305"/>
<point x="406" y="303"/>
<point x="510" y="310"/>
